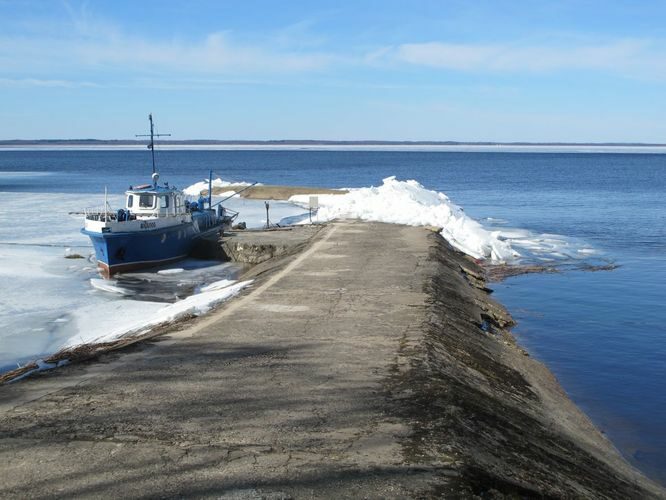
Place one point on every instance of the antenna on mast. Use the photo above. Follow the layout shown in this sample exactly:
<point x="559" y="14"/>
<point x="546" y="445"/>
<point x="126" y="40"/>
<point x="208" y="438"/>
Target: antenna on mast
<point x="152" y="135"/>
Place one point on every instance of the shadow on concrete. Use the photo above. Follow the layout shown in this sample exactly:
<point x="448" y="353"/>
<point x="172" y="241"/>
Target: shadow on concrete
<point x="198" y="418"/>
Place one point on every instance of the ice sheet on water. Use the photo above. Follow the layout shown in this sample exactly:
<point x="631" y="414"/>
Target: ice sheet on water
<point x="504" y="148"/>
<point x="551" y="247"/>
<point x="175" y="270"/>
<point x="41" y="287"/>
<point x="109" y="320"/>
<point x="495" y="220"/>
<point x="46" y="219"/>
<point x="124" y="317"/>
<point x="17" y="174"/>
<point x="110" y="286"/>
<point x="171" y="283"/>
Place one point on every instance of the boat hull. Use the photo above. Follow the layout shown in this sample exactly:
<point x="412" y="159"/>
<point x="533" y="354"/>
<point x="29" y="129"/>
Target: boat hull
<point x="119" y="252"/>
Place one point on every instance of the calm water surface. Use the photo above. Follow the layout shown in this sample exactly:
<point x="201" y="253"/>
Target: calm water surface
<point x="602" y="333"/>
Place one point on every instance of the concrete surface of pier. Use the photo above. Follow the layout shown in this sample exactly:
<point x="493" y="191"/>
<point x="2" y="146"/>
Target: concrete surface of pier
<point x="371" y="364"/>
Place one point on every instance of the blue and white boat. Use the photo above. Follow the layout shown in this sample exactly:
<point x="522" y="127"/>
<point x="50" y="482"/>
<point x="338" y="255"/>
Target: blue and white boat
<point x="158" y="225"/>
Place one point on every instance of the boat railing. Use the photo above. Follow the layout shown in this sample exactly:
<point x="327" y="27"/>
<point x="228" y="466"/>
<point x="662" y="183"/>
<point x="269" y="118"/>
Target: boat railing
<point x="107" y="214"/>
<point x="100" y="214"/>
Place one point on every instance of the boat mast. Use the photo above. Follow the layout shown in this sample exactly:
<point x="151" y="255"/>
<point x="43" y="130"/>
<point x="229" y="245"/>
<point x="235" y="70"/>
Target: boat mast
<point x="210" y="189"/>
<point x="152" y="136"/>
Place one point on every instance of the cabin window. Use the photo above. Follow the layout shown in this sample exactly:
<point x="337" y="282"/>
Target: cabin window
<point x="164" y="201"/>
<point x="130" y="200"/>
<point x="146" y="200"/>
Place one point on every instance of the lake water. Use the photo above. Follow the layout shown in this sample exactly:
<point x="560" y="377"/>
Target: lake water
<point x="602" y="333"/>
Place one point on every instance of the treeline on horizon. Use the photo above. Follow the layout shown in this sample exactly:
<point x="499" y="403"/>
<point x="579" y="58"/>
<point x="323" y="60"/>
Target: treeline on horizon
<point x="303" y="142"/>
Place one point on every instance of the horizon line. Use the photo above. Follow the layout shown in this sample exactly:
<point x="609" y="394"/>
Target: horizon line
<point x="314" y="142"/>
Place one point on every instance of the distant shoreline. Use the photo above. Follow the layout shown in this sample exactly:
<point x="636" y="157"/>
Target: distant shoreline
<point x="310" y="142"/>
<point x="421" y="146"/>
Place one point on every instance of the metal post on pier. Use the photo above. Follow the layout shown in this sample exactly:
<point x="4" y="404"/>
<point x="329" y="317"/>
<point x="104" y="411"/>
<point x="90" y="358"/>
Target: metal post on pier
<point x="314" y="206"/>
<point x="268" y="220"/>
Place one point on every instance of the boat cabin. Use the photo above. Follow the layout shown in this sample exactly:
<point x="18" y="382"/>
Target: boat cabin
<point x="149" y="201"/>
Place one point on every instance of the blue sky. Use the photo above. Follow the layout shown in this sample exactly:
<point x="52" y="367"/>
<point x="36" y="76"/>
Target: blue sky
<point x="421" y="70"/>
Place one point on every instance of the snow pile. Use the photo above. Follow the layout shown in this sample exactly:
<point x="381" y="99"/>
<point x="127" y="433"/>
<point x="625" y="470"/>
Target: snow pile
<point x="121" y="318"/>
<point x="201" y="303"/>
<point x="197" y="188"/>
<point x="408" y="202"/>
<point x="217" y="285"/>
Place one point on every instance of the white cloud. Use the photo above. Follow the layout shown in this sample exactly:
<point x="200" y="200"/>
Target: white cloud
<point x="628" y="56"/>
<point x="36" y="82"/>
<point x="88" y="48"/>
<point x="446" y="55"/>
<point x="214" y="54"/>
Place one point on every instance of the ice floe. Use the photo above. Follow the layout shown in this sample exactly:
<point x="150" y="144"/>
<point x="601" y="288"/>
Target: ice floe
<point x="175" y="270"/>
<point x="110" y="286"/>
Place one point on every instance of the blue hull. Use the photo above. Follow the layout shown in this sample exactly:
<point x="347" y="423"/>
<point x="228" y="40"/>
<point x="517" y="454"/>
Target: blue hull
<point x="128" y="251"/>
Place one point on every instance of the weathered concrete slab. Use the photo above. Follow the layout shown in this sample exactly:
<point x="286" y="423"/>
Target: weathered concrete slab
<point x="370" y="365"/>
<point x="280" y="392"/>
<point x="256" y="246"/>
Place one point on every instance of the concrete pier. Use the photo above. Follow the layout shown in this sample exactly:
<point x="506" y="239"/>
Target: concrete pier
<point x="369" y="364"/>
